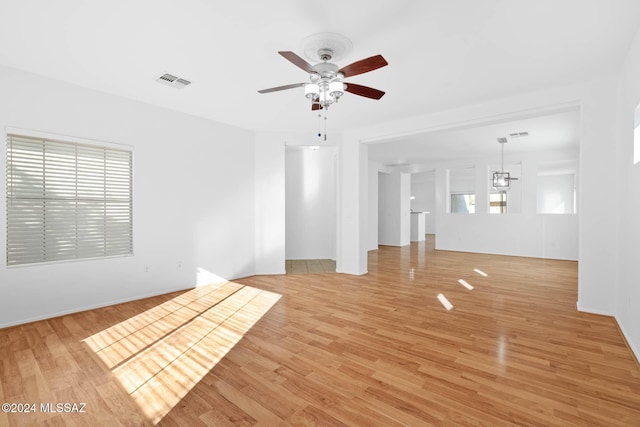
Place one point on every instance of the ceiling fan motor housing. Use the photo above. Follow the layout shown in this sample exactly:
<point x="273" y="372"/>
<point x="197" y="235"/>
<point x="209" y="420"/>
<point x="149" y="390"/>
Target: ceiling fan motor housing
<point x="326" y="70"/>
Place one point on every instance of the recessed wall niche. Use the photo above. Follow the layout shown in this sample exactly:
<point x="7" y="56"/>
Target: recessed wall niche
<point x="557" y="187"/>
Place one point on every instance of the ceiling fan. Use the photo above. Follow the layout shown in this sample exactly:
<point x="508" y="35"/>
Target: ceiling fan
<point x="326" y="85"/>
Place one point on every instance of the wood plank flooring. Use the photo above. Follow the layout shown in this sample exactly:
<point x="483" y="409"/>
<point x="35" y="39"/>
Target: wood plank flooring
<point x="334" y="350"/>
<point x="305" y="266"/>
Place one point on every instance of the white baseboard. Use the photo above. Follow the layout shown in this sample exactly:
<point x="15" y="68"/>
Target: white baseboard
<point x="593" y="310"/>
<point x="625" y="334"/>
<point x="88" y="307"/>
<point x="633" y="348"/>
<point x="270" y="273"/>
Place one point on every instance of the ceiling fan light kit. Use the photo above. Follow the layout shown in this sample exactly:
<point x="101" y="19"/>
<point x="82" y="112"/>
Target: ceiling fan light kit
<point x="326" y="84"/>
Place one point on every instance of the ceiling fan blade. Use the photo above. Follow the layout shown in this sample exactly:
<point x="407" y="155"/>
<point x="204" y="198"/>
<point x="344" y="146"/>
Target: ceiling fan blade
<point x="364" y="66"/>
<point x="296" y="60"/>
<point x="285" y="87"/>
<point x="316" y="106"/>
<point x="366" y="91"/>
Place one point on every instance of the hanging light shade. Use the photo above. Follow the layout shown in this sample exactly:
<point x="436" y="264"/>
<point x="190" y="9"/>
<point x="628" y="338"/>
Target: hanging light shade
<point x="312" y="91"/>
<point x="325" y="98"/>
<point x="336" y="89"/>
<point x="501" y="180"/>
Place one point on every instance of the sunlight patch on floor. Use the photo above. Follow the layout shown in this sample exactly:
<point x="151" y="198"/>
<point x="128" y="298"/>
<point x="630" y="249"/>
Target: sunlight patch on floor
<point x="161" y="354"/>
<point x="465" y="284"/>
<point x="480" y="272"/>
<point x="445" y="302"/>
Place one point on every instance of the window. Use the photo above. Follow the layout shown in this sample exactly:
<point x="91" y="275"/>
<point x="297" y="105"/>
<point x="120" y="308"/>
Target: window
<point x="510" y="200"/>
<point x="463" y="203"/>
<point x="67" y="201"/>
<point x="498" y="202"/>
<point x="461" y="183"/>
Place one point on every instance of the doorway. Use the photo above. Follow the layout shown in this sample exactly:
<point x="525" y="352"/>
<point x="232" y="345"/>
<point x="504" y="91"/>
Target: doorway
<point x="310" y="209"/>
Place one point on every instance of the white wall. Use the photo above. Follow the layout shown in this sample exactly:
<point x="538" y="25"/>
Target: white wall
<point x="352" y="205"/>
<point x="270" y="202"/>
<point x="627" y="291"/>
<point x="372" y="220"/>
<point x="555" y="193"/>
<point x="405" y="209"/>
<point x="394" y="216"/>
<point x="423" y="188"/>
<point x="598" y="224"/>
<point x="520" y="232"/>
<point x="193" y="199"/>
<point x="383" y="206"/>
<point x="530" y="235"/>
<point x="310" y="202"/>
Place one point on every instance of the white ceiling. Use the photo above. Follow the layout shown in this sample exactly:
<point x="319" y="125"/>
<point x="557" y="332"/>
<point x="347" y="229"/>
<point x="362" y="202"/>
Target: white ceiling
<point x="441" y="53"/>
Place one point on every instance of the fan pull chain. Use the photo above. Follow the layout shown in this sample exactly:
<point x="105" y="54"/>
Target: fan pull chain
<point x="320" y="116"/>
<point x="325" y="124"/>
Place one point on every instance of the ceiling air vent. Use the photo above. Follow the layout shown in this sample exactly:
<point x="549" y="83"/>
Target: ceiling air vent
<point x="173" y="81"/>
<point x="518" y="134"/>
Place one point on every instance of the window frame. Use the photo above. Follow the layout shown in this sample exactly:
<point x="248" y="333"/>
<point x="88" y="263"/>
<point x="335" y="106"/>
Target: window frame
<point x="501" y="204"/>
<point x="471" y="202"/>
<point x="92" y="212"/>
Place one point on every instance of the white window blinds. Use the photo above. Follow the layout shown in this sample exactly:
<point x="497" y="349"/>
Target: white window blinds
<point x="67" y="201"/>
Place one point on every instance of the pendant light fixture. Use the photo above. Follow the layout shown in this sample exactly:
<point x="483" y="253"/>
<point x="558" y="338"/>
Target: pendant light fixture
<point x="501" y="180"/>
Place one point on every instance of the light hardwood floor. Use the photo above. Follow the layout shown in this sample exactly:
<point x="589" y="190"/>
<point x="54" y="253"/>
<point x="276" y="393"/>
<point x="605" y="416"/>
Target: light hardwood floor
<point x="306" y="266"/>
<point x="332" y="350"/>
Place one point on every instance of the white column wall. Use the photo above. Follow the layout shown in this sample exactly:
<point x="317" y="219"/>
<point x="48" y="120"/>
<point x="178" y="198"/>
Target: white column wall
<point x="597" y="275"/>
<point x="352" y="206"/>
<point x="405" y="209"/>
<point x="372" y="210"/>
<point x="270" y="203"/>
<point x="627" y="297"/>
<point x="395" y="219"/>
<point x="482" y="187"/>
